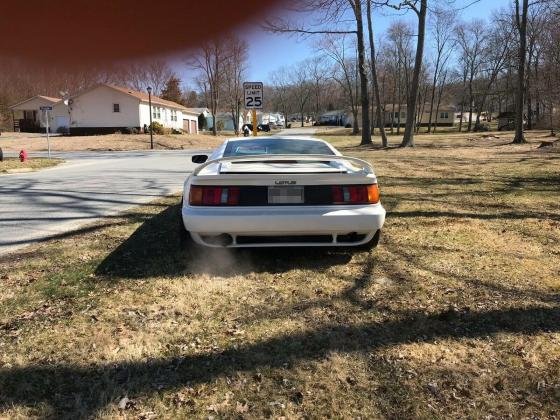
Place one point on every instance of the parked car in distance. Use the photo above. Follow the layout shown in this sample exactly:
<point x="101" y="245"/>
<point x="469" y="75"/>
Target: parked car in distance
<point x="280" y="191"/>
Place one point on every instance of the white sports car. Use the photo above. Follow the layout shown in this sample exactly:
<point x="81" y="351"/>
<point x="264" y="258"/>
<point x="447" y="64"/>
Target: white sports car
<point x="281" y="191"/>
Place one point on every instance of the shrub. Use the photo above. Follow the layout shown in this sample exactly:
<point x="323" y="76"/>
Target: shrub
<point x="175" y="131"/>
<point x="157" y="128"/>
<point x="220" y="125"/>
<point x="202" y="123"/>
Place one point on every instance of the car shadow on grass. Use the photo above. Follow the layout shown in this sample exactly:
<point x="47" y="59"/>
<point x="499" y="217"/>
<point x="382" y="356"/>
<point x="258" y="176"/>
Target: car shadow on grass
<point x="82" y="391"/>
<point x="155" y="249"/>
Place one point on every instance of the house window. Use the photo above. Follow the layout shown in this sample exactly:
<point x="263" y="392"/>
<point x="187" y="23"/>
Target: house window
<point x="444" y="115"/>
<point x="173" y="115"/>
<point x="116" y="107"/>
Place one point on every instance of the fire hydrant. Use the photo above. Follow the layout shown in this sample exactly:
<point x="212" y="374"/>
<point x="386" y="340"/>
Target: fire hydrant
<point x="22" y="156"/>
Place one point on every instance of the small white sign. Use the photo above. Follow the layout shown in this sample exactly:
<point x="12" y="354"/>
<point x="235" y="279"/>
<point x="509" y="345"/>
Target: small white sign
<point x="253" y="95"/>
<point x="45" y="108"/>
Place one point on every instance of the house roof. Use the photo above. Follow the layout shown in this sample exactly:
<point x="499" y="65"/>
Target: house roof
<point x="145" y="98"/>
<point x="46" y="98"/>
<point x="198" y="110"/>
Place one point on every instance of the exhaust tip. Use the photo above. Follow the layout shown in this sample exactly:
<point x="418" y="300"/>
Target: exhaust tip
<point x="223" y="239"/>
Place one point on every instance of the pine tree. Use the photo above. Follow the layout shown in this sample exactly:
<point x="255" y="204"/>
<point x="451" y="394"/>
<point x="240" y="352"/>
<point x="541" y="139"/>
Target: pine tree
<point x="172" y="90"/>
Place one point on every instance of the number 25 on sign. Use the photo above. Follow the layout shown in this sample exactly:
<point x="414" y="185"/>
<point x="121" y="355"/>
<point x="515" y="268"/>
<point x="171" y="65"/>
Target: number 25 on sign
<point x="253" y="95"/>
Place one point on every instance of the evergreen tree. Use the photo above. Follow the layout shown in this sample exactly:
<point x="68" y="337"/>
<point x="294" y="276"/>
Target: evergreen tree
<point x="172" y="90"/>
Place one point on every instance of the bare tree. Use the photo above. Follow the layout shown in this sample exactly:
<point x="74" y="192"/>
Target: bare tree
<point x="317" y="74"/>
<point x="442" y="30"/>
<point x="334" y="13"/>
<point x="234" y="71"/>
<point x="420" y="8"/>
<point x="521" y="26"/>
<point x="380" y="112"/>
<point x="471" y="38"/>
<point x="344" y="71"/>
<point x="282" y="93"/>
<point x="302" y="87"/>
<point x="139" y="76"/>
<point x="400" y="34"/>
<point x="210" y="61"/>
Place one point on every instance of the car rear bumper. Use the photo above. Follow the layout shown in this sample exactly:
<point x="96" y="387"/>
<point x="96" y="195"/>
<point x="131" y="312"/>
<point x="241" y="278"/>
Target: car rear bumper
<point x="274" y="226"/>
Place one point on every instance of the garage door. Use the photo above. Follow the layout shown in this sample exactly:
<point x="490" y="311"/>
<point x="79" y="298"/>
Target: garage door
<point x="193" y="127"/>
<point x="186" y="126"/>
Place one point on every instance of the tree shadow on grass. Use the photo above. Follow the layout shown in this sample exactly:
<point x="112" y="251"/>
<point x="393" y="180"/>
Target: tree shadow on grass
<point x="155" y="249"/>
<point x="81" y="391"/>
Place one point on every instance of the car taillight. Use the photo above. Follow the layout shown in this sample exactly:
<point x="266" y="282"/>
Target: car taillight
<point x="355" y="194"/>
<point x="213" y="196"/>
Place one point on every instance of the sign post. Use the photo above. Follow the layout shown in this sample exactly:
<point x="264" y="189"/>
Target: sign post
<point x="253" y="100"/>
<point x="47" y="109"/>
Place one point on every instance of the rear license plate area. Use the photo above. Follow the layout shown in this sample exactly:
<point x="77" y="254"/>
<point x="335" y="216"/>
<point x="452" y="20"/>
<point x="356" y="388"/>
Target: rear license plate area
<point x="285" y="195"/>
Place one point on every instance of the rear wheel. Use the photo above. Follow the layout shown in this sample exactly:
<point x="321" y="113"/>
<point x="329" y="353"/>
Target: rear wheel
<point x="372" y="242"/>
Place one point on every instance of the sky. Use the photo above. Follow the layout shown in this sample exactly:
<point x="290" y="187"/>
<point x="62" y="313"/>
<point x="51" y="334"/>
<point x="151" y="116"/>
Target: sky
<point x="269" y="52"/>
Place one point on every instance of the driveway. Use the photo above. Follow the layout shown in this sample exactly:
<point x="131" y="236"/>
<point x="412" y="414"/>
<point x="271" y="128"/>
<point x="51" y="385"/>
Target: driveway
<point x="90" y="185"/>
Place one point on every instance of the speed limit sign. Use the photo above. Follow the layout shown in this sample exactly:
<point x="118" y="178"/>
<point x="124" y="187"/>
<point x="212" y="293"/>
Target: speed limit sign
<point x="253" y="95"/>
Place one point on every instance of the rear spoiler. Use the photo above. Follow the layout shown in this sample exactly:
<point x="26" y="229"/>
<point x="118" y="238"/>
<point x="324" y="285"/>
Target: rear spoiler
<point x="366" y="166"/>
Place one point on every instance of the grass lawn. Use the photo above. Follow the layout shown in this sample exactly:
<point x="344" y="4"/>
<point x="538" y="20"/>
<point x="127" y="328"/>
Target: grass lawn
<point x="10" y="164"/>
<point x="455" y="315"/>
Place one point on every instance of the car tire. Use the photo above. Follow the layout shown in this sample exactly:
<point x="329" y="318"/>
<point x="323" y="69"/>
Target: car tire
<point x="372" y="244"/>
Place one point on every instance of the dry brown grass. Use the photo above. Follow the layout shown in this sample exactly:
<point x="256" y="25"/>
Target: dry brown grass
<point x="455" y="315"/>
<point x="16" y="141"/>
<point x="14" y="164"/>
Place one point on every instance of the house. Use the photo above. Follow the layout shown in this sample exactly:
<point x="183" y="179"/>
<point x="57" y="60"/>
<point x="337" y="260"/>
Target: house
<point x="445" y="116"/>
<point x="337" y="117"/>
<point x="202" y="115"/>
<point x="105" y="109"/>
<point x="29" y="118"/>
<point x="272" y="118"/>
<point x="224" y="121"/>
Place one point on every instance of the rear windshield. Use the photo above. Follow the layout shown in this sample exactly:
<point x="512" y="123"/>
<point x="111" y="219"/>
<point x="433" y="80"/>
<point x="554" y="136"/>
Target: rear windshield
<point x="276" y="147"/>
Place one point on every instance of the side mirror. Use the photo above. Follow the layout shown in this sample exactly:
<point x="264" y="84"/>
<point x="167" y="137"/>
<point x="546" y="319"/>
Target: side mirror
<point x="199" y="158"/>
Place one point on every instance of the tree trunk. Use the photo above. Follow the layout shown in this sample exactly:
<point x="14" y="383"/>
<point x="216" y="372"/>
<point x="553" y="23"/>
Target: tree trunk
<point x="408" y="138"/>
<point x="374" y="80"/>
<point x="440" y="94"/>
<point x="432" y="98"/>
<point x="522" y="29"/>
<point x="471" y="100"/>
<point x="366" y="128"/>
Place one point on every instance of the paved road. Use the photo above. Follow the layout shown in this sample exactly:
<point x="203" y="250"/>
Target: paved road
<point x="90" y="185"/>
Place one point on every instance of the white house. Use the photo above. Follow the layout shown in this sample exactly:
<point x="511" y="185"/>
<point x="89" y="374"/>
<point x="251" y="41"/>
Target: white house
<point x="444" y="117"/>
<point x="28" y="117"/>
<point x="107" y="108"/>
<point x="104" y="109"/>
